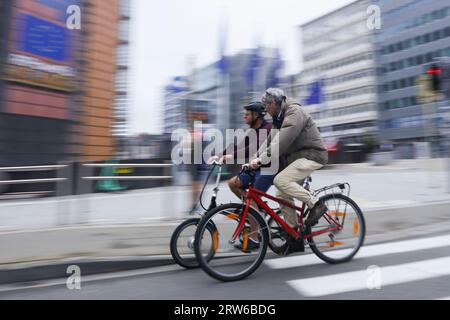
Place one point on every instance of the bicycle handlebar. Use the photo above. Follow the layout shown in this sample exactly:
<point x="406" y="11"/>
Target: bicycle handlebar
<point x="248" y="169"/>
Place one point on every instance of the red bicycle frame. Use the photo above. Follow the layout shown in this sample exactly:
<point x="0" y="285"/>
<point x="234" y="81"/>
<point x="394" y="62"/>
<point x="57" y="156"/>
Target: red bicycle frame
<point x="255" y="195"/>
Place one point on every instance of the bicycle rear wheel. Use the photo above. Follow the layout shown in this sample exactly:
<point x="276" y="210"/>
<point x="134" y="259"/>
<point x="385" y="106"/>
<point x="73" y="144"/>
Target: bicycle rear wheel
<point x="232" y="260"/>
<point x="338" y="246"/>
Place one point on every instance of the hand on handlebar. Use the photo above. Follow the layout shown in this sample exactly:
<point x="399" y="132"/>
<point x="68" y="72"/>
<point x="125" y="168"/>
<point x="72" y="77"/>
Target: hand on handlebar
<point x="219" y="160"/>
<point x="212" y="160"/>
<point x="254" y="165"/>
<point x="225" y="158"/>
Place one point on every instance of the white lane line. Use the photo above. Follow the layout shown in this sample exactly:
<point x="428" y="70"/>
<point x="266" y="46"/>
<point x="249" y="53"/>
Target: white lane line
<point x="365" y="252"/>
<point x="448" y="298"/>
<point x="359" y="280"/>
<point x="93" y="278"/>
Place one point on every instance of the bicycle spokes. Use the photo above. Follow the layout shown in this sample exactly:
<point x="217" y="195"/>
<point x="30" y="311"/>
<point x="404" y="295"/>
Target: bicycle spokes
<point x="233" y="257"/>
<point x="339" y="232"/>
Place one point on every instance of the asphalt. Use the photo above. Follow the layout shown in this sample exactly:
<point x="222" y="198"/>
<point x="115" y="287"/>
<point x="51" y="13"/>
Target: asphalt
<point x="413" y="272"/>
<point x="387" y="225"/>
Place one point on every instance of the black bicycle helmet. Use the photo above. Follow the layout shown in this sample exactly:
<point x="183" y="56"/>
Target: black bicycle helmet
<point x="257" y="107"/>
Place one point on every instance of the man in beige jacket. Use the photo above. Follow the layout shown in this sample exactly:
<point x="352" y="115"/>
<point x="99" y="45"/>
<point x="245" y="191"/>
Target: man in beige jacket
<point x="299" y="139"/>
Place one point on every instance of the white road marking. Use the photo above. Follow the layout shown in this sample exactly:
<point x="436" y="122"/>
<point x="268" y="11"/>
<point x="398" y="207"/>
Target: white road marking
<point x="365" y="252"/>
<point x="357" y="280"/>
<point x="93" y="278"/>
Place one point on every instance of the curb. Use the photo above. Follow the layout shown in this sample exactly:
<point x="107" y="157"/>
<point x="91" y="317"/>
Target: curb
<point x="26" y="273"/>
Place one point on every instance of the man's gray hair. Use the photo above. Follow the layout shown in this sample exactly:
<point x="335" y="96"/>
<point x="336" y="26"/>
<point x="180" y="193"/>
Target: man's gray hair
<point x="273" y="94"/>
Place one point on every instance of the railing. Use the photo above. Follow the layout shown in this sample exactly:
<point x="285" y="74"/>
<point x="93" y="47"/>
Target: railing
<point x="86" y="177"/>
<point x="137" y="165"/>
<point x="74" y="185"/>
<point x="49" y="168"/>
<point x="43" y="168"/>
<point x="127" y="165"/>
<point x="69" y="181"/>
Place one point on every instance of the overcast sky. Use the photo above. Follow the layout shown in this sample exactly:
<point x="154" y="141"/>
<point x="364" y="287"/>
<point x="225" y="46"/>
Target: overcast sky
<point x="164" y="34"/>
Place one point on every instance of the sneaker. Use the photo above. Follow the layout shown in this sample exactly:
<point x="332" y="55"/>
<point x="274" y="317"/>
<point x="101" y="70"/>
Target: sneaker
<point x="294" y="246"/>
<point x="315" y="214"/>
<point x="251" y="245"/>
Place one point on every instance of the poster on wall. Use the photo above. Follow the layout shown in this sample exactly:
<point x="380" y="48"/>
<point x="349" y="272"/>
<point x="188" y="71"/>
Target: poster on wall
<point x="40" y="50"/>
<point x="42" y="55"/>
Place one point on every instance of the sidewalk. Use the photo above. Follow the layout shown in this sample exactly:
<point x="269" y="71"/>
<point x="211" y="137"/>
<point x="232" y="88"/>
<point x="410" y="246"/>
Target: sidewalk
<point x="373" y="188"/>
<point x="37" y="255"/>
<point x="438" y="164"/>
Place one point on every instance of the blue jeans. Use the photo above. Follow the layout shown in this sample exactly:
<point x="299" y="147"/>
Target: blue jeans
<point x="260" y="182"/>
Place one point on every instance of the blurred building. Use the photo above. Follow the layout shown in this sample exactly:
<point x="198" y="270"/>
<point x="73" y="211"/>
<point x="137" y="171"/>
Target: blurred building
<point x="215" y="93"/>
<point x="58" y="89"/>
<point x="251" y="72"/>
<point x="208" y="96"/>
<point x="38" y="81"/>
<point x="122" y="105"/>
<point x="412" y="35"/>
<point x="5" y="8"/>
<point x="99" y="70"/>
<point x="175" y="112"/>
<point x="292" y="87"/>
<point x="146" y="146"/>
<point x="338" y="85"/>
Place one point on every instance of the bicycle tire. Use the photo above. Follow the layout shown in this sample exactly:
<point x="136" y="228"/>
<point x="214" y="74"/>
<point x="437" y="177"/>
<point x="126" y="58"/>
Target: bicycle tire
<point x="263" y="242"/>
<point x="185" y="263"/>
<point x="361" y="240"/>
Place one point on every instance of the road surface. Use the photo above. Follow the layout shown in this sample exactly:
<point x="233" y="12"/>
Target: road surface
<point x="412" y="268"/>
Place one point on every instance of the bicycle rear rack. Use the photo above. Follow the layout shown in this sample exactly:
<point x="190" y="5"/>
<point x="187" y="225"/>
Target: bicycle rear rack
<point x="331" y="189"/>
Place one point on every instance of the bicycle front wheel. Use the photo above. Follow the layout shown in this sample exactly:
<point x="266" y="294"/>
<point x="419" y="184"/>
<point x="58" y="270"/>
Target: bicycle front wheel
<point x="341" y="245"/>
<point x="182" y="243"/>
<point x="232" y="260"/>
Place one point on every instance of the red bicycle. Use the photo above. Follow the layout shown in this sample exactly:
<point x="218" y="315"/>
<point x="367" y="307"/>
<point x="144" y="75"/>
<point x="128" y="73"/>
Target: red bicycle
<point x="242" y="235"/>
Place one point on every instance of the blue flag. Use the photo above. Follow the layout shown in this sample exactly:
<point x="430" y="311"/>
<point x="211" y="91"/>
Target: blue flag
<point x="179" y="84"/>
<point x="316" y="95"/>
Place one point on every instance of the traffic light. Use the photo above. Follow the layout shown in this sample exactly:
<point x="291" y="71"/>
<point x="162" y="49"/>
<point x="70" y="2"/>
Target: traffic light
<point x="435" y="72"/>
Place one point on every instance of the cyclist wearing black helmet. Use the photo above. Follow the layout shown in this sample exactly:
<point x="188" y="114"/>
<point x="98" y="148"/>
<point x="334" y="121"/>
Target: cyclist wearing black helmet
<point x="254" y="117"/>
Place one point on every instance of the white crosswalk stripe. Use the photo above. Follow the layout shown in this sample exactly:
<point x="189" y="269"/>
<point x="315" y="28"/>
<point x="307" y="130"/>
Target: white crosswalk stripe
<point x="345" y="282"/>
<point x="358" y="280"/>
<point x="365" y="252"/>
